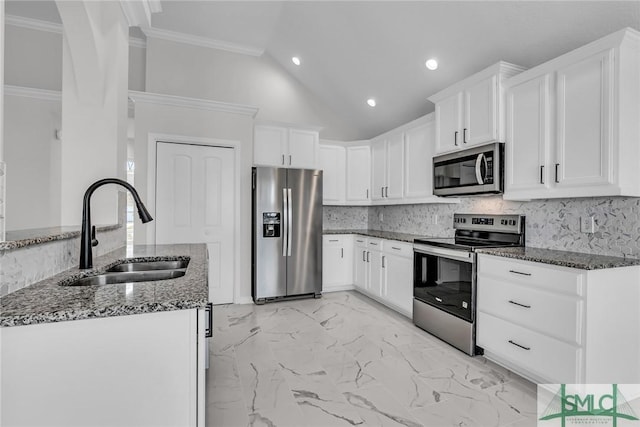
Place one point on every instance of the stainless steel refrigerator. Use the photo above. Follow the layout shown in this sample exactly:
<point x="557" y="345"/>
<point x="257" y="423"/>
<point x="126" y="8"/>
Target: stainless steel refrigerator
<point x="287" y="233"/>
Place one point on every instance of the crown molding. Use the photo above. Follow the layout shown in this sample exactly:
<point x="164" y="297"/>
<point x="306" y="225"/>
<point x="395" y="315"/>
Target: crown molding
<point x="33" y="24"/>
<point x="195" y="103"/>
<point x="28" y="92"/>
<point x="202" y="41"/>
<point x="138" y="12"/>
<point x="53" y="27"/>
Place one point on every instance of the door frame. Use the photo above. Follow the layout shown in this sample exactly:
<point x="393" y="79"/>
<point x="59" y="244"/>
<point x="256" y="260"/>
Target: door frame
<point x="152" y="142"/>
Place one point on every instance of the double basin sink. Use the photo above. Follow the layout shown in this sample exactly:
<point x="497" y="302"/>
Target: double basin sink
<point x="140" y="271"/>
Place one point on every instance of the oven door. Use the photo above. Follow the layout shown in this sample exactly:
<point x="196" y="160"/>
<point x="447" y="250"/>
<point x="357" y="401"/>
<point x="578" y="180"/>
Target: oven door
<point x="472" y="171"/>
<point x="445" y="279"/>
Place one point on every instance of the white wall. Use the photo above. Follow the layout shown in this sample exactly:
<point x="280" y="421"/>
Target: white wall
<point x="33" y="58"/>
<point x="188" y="122"/>
<point x="137" y="68"/>
<point x="198" y="72"/>
<point x="32" y="155"/>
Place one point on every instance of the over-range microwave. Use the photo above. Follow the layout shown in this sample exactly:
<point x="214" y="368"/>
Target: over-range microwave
<point x="472" y="171"/>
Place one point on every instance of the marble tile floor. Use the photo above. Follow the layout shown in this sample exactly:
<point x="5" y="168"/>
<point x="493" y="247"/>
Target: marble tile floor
<point x="345" y="360"/>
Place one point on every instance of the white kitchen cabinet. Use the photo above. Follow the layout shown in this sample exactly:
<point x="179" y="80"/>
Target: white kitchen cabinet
<point x="337" y="262"/>
<point x="358" y="174"/>
<point x="528" y="135"/>
<point x="555" y="324"/>
<point x="135" y="370"/>
<point x="387" y="167"/>
<point x="418" y="165"/>
<point x="398" y="276"/>
<point x="285" y="147"/>
<point x="470" y="112"/>
<point x="375" y="287"/>
<point x="383" y="270"/>
<point x="332" y="162"/>
<point x="361" y="266"/>
<point x="580" y="124"/>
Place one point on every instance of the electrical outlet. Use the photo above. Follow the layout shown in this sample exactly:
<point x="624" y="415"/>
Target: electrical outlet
<point x="381" y="216"/>
<point x="434" y="219"/>
<point x="587" y="224"/>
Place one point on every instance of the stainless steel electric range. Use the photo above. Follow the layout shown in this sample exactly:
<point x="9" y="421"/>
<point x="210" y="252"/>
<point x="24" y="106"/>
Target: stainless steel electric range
<point x="444" y="275"/>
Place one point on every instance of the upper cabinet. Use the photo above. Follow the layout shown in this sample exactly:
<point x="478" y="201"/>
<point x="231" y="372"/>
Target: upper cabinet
<point x="332" y="162"/>
<point x="358" y="174"/>
<point x="418" y="166"/>
<point x="387" y="167"/>
<point x="285" y="147"/>
<point x="470" y="112"/>
<point x="572" y="123"/>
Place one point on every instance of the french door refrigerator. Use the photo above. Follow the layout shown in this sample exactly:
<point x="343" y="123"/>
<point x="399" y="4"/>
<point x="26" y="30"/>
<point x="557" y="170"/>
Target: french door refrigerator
<point x="286" y="233"/>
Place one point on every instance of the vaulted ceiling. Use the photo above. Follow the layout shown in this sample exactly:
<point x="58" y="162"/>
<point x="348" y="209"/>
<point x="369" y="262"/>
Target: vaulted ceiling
<point x="354" y="50"/>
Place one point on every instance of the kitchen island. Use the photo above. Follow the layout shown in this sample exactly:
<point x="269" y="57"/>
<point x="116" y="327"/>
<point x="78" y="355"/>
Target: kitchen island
<point x="116" y="354"/>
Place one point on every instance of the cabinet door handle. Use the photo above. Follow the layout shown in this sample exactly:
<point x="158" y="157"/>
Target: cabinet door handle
<point x="334" y="240"/>
<point x="289" y="159"/>
<point x="519" y="272"/>
<point x="363" y="256"/>
<point x="386" y="191"/>
<point x="542" y="174"/>
<point x="283" y="160"/>
<point x="518" y="304"/>
<point x="341" y="252"/>
<point x="397" y="249"/>
<point x="557" y="165"/>
<point x="455" y="138"/>
<point x="367" y="194"/>
<point x="438" y="299"/>
<point x="464" y="135"/>
<point x="519" y="345"/>
<point x="368" y="256"/>
<point x="208" y="332"/>
<point x="382" y="261"/>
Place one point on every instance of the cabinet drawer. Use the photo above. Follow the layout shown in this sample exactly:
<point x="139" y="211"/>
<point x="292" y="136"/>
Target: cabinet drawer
<point x="546" y="357"/>
<point x="399" y="248"/>
<point x="333" y="239"/>
<point x="553" y="278"/>
<point x="550" y="313"/>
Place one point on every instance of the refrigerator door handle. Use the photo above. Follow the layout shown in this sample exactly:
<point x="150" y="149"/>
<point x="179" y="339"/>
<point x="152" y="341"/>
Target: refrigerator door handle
<point x="285" y="223"/>
<point x="289" y="221"/>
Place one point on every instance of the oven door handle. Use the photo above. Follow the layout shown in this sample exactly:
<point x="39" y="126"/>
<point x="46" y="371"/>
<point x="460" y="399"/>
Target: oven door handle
<point x="444" y="253"/>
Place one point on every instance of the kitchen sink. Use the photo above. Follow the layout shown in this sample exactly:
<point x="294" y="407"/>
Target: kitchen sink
<point x="149" y="266"/>
<point x="128" y="277"/>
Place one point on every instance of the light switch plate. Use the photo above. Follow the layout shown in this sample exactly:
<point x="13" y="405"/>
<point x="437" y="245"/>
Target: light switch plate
<point x="587" y="225"/>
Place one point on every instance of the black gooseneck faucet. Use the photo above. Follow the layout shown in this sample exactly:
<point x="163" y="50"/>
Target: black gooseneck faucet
<point x="88" y="236"/>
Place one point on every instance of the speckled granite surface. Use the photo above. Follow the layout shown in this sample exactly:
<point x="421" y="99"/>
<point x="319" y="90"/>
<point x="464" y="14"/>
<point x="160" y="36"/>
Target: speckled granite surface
<point x="563" y="258"/>
<point x="46" y="301"/>
<point x="389" y="235"/>
<point x="22" y="238"/>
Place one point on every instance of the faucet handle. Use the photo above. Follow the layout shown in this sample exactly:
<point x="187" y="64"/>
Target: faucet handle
<point x="94" y="241"/>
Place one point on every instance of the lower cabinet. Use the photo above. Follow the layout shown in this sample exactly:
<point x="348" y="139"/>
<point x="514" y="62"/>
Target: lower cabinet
<point x="560" y="325"/>
<point x="337" y="262"/>
<point x="379" y="268"/>
<point x="135" y="370"/>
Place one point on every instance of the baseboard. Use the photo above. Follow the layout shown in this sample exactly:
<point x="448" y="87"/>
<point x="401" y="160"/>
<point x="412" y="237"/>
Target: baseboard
<point x="338" y="288"/>
<point x="243" y="300"/>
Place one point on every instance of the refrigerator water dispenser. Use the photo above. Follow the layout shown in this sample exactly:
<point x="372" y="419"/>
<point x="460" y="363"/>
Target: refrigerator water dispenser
<point x="271" y="224"/>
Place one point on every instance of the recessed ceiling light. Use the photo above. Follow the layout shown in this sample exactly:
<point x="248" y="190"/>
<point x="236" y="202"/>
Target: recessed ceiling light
<point x="371" y="102"/>
<point x="431" y="64"/>
<point x="295" y="60"/>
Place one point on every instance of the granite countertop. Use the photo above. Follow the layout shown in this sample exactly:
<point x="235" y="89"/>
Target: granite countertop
<point x="562" y="258"/>
<point x="21" y="238"/>
<point x="46" y="301"/>
<point x="389" y="235"/>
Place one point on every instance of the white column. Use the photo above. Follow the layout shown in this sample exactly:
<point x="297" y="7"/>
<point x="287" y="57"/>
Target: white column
<point x="94" y="106"/>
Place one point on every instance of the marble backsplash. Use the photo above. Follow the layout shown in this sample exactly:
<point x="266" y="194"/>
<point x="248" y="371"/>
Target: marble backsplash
<point x="552" y="223"/>
<point x="345" y="217"/>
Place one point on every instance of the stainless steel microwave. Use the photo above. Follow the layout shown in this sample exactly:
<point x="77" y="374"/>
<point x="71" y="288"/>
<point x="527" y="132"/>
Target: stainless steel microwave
<point x="473" y="171"/>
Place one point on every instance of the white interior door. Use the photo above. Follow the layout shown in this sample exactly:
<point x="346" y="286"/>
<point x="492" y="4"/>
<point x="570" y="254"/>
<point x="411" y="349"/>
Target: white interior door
<point x="195" y="204"/>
